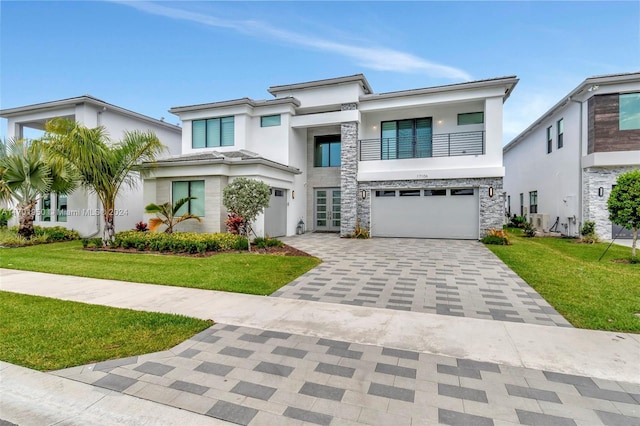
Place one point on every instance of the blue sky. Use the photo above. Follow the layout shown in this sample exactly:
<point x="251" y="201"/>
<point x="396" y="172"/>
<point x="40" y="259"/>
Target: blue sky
<point x="150" y="56"/>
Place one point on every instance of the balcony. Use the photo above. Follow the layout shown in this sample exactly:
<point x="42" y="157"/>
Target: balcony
<point x="423" y="146"/>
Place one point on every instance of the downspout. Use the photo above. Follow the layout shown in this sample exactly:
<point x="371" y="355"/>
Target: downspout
<point x="580" y="176"/>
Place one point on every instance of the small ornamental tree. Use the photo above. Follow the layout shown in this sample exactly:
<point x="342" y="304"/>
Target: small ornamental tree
<point x="624" y="204"/>
<point x="246" y="198"/>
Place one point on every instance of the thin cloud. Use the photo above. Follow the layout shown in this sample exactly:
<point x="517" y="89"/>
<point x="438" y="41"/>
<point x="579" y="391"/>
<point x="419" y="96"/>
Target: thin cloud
<point x="377" y="58"/>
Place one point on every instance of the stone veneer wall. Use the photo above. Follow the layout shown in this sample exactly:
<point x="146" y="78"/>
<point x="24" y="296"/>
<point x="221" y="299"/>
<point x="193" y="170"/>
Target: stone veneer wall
<point x="595" y="207"/>
<point x="349" y="174"/>
<point x="491" y="208"/>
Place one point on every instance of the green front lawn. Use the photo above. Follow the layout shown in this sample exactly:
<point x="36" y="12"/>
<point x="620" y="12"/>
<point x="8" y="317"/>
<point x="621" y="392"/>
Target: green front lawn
<point x="602" y="295"/>
<point x="49" y="334"/>
<point x="236" y="272"/>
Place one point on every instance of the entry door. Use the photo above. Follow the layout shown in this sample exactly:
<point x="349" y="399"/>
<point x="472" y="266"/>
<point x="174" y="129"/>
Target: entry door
<point x="328" y="210"/>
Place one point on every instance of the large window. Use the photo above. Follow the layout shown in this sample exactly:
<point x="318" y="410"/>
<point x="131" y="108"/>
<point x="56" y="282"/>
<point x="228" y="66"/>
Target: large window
<point x="327" y="151"/>
<point x="45" y="208"/>
<point x="213" y="132"/>
<point x="470" y="118"/>
<point x="533" y="202"/>
<point x="270" y="120"/>
<point x="630" y="111"/>
<point x="61" y="208"/>
<point x="549" y="140"/>
<point x="193" y="188"/>
<point x="406" y="138"/>
<point x="560" y="129"/>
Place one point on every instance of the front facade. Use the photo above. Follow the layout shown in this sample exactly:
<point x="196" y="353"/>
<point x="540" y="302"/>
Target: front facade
<point x="81" y="210"/>
<point x="560" y="170"/>
<point x="418" y="163"/>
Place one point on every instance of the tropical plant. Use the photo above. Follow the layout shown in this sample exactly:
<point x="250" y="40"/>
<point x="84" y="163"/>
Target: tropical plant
<point x="246" y="198"/>
<point x="497" y="237"/>
<point x="168" y="214"/>
<point x="27" y="172"/>
<point x="235" y="224"/>
<point x="142" y="227"/>
<point x="103" y="167"/>
<point x="5" y="217"/>
<point x="624" y="204"/>
<point x="529" y="230"/>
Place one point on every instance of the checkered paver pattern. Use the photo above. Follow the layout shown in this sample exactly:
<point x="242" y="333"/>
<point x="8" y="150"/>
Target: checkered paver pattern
<point x="254" y="377"/>
<point x="447" y="277"/>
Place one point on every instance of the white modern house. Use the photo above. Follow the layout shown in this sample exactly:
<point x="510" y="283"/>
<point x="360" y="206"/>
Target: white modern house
<point x="81" y="209"/>
<point x="561" y="169"/>
<point x="416" y="163"/>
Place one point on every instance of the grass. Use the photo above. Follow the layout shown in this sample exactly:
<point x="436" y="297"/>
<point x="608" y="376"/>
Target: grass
<point x="49" y="334"/>
<point x="236" y="272"/>
<point x="591" y="294"/>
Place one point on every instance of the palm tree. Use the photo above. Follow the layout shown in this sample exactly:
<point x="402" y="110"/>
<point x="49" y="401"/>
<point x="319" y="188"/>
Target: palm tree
<point x="27" y="173"/>
<point x="169" y="214"/>
<point x="103" y="167"/>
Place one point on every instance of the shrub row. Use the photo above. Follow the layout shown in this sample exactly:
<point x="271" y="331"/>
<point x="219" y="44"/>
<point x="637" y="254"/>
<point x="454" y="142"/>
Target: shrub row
<point x="179" y="242"/>
<point x="42" y="235"/>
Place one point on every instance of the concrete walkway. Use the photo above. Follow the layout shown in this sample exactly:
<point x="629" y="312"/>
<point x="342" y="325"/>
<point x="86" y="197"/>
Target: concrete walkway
<point x="291" y="361"/>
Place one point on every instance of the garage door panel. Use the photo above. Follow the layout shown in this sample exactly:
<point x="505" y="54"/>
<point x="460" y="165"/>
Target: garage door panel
<point x="448" y="216"/>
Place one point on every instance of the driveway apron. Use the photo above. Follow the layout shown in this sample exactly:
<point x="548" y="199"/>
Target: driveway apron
<point x="447" y="277"/>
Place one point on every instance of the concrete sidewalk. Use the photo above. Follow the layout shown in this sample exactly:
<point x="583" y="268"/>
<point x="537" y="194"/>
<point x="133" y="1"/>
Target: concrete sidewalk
<point x="603" y="355"/>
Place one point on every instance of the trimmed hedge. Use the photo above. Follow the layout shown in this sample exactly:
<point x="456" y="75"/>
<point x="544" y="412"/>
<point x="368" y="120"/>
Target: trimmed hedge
<point x="42" y="235"/>
<point x="179" y="242"/>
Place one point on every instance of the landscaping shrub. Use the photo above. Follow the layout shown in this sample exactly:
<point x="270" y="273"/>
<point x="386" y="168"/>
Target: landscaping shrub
<point x="360" y="231"/>
<point x="588" y="228"/>
<point x="141" y="227"/>
<point x="529" y="230"/>
<point x="518" y="221"/>
<point x="497" y="237"/>
<point x="10" y="238"/>
<point x="178" y="242"/>
<point x="5" y="215"/>
<point x="263" y="243"/>
<point x="56" y="233"/>
<point x="235" y="224"/>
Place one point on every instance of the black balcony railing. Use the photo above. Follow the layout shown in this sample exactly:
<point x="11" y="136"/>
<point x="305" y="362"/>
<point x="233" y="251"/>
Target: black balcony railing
<point x="440" y="145"/>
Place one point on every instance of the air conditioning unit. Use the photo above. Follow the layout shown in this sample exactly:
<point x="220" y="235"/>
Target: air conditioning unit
<point x="540" y="221"/>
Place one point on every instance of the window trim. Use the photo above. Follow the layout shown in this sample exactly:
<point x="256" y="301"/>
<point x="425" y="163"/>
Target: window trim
<point x="189" y="191"/>
<point x="471" y="114"/>
<point x="207" y="143"/>
<point x="560" y="133"/>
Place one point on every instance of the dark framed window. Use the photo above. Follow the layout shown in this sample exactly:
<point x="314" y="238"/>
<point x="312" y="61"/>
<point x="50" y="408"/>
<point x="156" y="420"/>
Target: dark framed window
<point x="45" y="207"/>
<point x="560" y="130"/>
<point x="549" y="140"/>
<point x="435" y="192"/>
<point x="521" y="204"/>
<point x="629" y="116"/>
<point x="61" y="208"/>
<point x="278" y="193"/>
<point x="212" y="132"/>
<point x="470" y="118"/>
<point x="270" y="120"/>
<point x="533" y="202"/>
<point x="508" y="205"/>
<point x="191" y="188"/>
<point x="462" y="191"/>
<point x="327" y="151"/>
<point x="386" y="193"/>
<point x="410" y="192"/>
<point x="406" y="138"/>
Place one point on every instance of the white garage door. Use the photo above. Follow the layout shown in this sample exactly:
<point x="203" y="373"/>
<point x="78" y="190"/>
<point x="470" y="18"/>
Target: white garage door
<point x="425" y="213"/>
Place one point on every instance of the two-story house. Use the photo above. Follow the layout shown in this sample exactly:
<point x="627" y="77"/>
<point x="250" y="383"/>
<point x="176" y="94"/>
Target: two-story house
<point x="81" y="210"/>
<point x="417" y="163"/>
<point x="561" y="169"/>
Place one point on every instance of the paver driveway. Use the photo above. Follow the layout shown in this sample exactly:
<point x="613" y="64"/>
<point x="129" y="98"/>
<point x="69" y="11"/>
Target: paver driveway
<point x="448" y="277"/>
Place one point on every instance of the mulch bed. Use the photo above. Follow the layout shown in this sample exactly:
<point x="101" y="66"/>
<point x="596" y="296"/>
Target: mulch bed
<point x="285" y="250"/>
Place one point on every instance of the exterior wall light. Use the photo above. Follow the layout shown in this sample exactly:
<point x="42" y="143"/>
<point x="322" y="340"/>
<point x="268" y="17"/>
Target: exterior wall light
<point x="364" y="194"/>
<point x="293" y="194"/>
<point x="491" y="191"/>
<point x="601" y="192"/>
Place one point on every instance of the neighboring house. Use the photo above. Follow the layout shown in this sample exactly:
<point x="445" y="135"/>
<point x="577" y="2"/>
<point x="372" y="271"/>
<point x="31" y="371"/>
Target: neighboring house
<point x="417" y="163"/>
<point x="561" y="169"/>
<point x="81" y="209"/>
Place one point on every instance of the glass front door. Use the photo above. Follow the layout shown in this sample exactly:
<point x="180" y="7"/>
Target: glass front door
<point x="327" y="210"/>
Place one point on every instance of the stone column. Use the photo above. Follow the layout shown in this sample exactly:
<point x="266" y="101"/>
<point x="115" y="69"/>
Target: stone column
<point x="349" y="174"/>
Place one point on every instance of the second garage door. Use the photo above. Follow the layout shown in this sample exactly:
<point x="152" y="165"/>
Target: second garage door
<point x="425" y="213"/>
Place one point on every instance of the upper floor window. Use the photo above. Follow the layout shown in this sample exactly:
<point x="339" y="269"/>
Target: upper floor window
<point x="560" y="129"/>
<point x="549" y="140"/>
<point x="470" y="118"/>
<point x="270" y="120"/>
<point x="184" y="189"/>
<point x="533" y="202"/>
<point x="630" y="111"/>
<point x="213" y="132"/>
<point x="407" y="138"/>
<point x="327" y="151"/>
